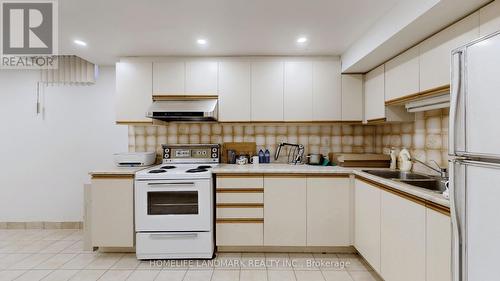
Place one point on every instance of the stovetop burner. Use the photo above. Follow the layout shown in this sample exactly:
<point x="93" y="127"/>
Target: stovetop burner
<point x="157" y="171"/>
<point x="196" y="170"/>
<point x="168" y="167"/>
<point x="204" y="167"/>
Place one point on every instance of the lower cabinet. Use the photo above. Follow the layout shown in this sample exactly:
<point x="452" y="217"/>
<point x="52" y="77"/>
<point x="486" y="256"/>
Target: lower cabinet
<point x="402" y="239"/>
<point x="367" y="222"/>
<point x="328" y="211"/>
<point x="285" y="211"/>
<point x="438" y="247"/>
<point x="112" y="212"/>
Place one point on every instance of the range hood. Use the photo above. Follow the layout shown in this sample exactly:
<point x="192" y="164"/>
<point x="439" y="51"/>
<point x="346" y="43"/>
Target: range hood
<point x="437" y="102"/>
<point x="184" y="109"/>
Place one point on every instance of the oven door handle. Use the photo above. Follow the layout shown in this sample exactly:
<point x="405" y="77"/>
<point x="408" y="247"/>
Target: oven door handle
<point x="163" y="236"/>
<point x="160" y="184"/>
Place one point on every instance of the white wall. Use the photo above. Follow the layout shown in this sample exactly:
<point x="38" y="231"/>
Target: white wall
<point x="44" y="161"/>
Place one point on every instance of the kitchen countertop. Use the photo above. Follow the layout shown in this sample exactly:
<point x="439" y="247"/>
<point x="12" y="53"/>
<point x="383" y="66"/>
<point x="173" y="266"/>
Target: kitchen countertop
<point x="113" y="170"/>
<point x="307" y="169"/>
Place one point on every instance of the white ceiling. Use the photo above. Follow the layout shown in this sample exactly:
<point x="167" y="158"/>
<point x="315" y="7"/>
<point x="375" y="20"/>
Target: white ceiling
<point x="114" y="28"/>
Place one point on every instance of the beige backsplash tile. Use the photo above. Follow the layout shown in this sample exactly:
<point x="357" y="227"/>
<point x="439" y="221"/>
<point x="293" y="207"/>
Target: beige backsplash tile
<point x="426" y="137"/>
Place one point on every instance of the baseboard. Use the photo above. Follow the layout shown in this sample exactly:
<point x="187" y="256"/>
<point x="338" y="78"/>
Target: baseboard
<point x="42" y="225"/>
<point x="286" y="249"/>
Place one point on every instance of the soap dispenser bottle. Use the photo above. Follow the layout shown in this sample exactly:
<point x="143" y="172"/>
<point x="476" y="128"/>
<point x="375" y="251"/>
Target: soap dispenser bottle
<point x="262" y="158"/>
<point x="267" y="156"/>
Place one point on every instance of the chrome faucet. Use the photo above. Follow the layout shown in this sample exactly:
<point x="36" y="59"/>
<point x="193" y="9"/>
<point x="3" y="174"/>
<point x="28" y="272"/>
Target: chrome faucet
<point x="297" y="155"/>
<point x="443" y="172"/>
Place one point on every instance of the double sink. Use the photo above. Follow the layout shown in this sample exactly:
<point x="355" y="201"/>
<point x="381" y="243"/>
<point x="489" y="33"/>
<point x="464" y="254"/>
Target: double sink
<point x="435" y="184"/>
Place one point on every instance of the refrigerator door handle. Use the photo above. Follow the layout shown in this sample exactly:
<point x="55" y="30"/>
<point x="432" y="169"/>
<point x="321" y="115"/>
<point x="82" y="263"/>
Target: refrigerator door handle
<point x="457" y="212"/>
<point x="456" y="88"/>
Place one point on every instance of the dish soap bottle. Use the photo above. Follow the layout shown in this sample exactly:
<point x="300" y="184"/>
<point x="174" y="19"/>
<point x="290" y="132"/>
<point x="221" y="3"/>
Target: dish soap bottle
<point x="262" y="158"/>
<point x="267" y="156"/>
<point x="392" y="153"/>
<point x="405" y="160"/>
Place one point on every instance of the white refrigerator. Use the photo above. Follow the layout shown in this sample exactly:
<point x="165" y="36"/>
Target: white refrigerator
<point x="474" y="146"/>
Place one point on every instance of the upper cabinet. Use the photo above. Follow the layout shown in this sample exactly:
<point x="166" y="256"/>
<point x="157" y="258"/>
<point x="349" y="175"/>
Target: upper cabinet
<point x="298" y="91"/>
<point x="201" y="77"/>
<point x="234" y="91"/>
<point x="352" y="97"/>
<point x="435" y="52"/>
<point x="267" y="91"/>
<point x="168" y="78"/>
<point x="327" y="91"/>
<point x="402" y="75"/>
<point x="374" y="94"/>
<point x="133" y="91"/>
<point x="490" y="18"/>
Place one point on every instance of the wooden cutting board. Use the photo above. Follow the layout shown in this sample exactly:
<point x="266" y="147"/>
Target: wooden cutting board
<point x="360" y="160"/>
<point x="249" y="148"/>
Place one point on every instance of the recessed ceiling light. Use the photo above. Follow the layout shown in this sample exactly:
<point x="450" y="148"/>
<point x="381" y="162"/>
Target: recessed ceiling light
<point x="201" y="41"/>
<point x="302" y="40"/>
<point x="80" y="42"/>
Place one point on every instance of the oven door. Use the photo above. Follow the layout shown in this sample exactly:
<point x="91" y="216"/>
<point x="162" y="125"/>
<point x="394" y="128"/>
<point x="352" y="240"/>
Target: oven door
<point x="173" y="205"/>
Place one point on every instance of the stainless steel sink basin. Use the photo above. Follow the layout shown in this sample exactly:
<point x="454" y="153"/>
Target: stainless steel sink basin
<point x="396" y="175"/>
<point x="435" y="184"/>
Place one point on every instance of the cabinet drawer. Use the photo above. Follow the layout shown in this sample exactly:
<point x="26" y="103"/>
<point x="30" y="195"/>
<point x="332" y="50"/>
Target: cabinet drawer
<point x="237" y="182"/>
<point x="178" y="244"/>
<point x="240" y="234"/>
<point x="240" y="212"/>
<point x="240" y="197"/>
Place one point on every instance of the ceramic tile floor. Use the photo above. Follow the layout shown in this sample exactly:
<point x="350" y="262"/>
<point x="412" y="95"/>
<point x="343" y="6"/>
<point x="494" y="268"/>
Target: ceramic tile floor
<point x="57" y="255"/>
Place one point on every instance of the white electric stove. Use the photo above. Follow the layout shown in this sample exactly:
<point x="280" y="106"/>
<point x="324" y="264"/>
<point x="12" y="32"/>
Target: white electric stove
<point x="174" y="204"/>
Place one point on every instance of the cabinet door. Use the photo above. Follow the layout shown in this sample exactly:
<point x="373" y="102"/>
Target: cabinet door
<point x="234" y="91"/>
<point x="374" y="94"/>
<point x="327" y="92"/>
<point x="168" y="78"/>
<point x="435" y="52"/>
<point x="367" y="222"/>
<point x="267" y="91"/>
<point x="490" y="18"/>
<point x="298" y="91"/>
<point x="352" y="97"/>
<point x="401" y="75"/>
<point x="284" y="211"/>
<point x="328" y="211"/>
<point x="112" y="212"/>
<point x="134" y="90"/>
<point x="201" y="77"/>
<point x="438" y="247"/>
<point x="402" y="228"/>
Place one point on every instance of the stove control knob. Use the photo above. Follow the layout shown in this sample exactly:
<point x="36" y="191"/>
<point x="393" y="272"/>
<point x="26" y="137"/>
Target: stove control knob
<point x="167" y="150"/>
<point x="167" y="155"/>
<point x="214" y="149"/>
<point x="214" y="155"/>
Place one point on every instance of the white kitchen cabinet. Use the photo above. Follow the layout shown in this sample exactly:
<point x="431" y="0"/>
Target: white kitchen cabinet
<point x="239" y="234"/>
<point x="403" y="231"/>
<point x="327" y="92"/>
<point x="490" y="18"/>
<point x="435" y="52"/>
<point x="234" y="91"/>
<point x="267" y="91"/>
<point x="438" y="246"/>
<point x="134" y="90"/>
<point x="352" y="97"/>
<point x="168" y="78"/>
<point x="201" y="77"/>
<point x="367" y="199"/>
<point x="298" y="91"/>
<point x="374" y="94"/>
<point x="328" y="211"/>
<point x="112" y="212"/>
<point x="402" y="75"/>
<point x="285" y="211"/>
